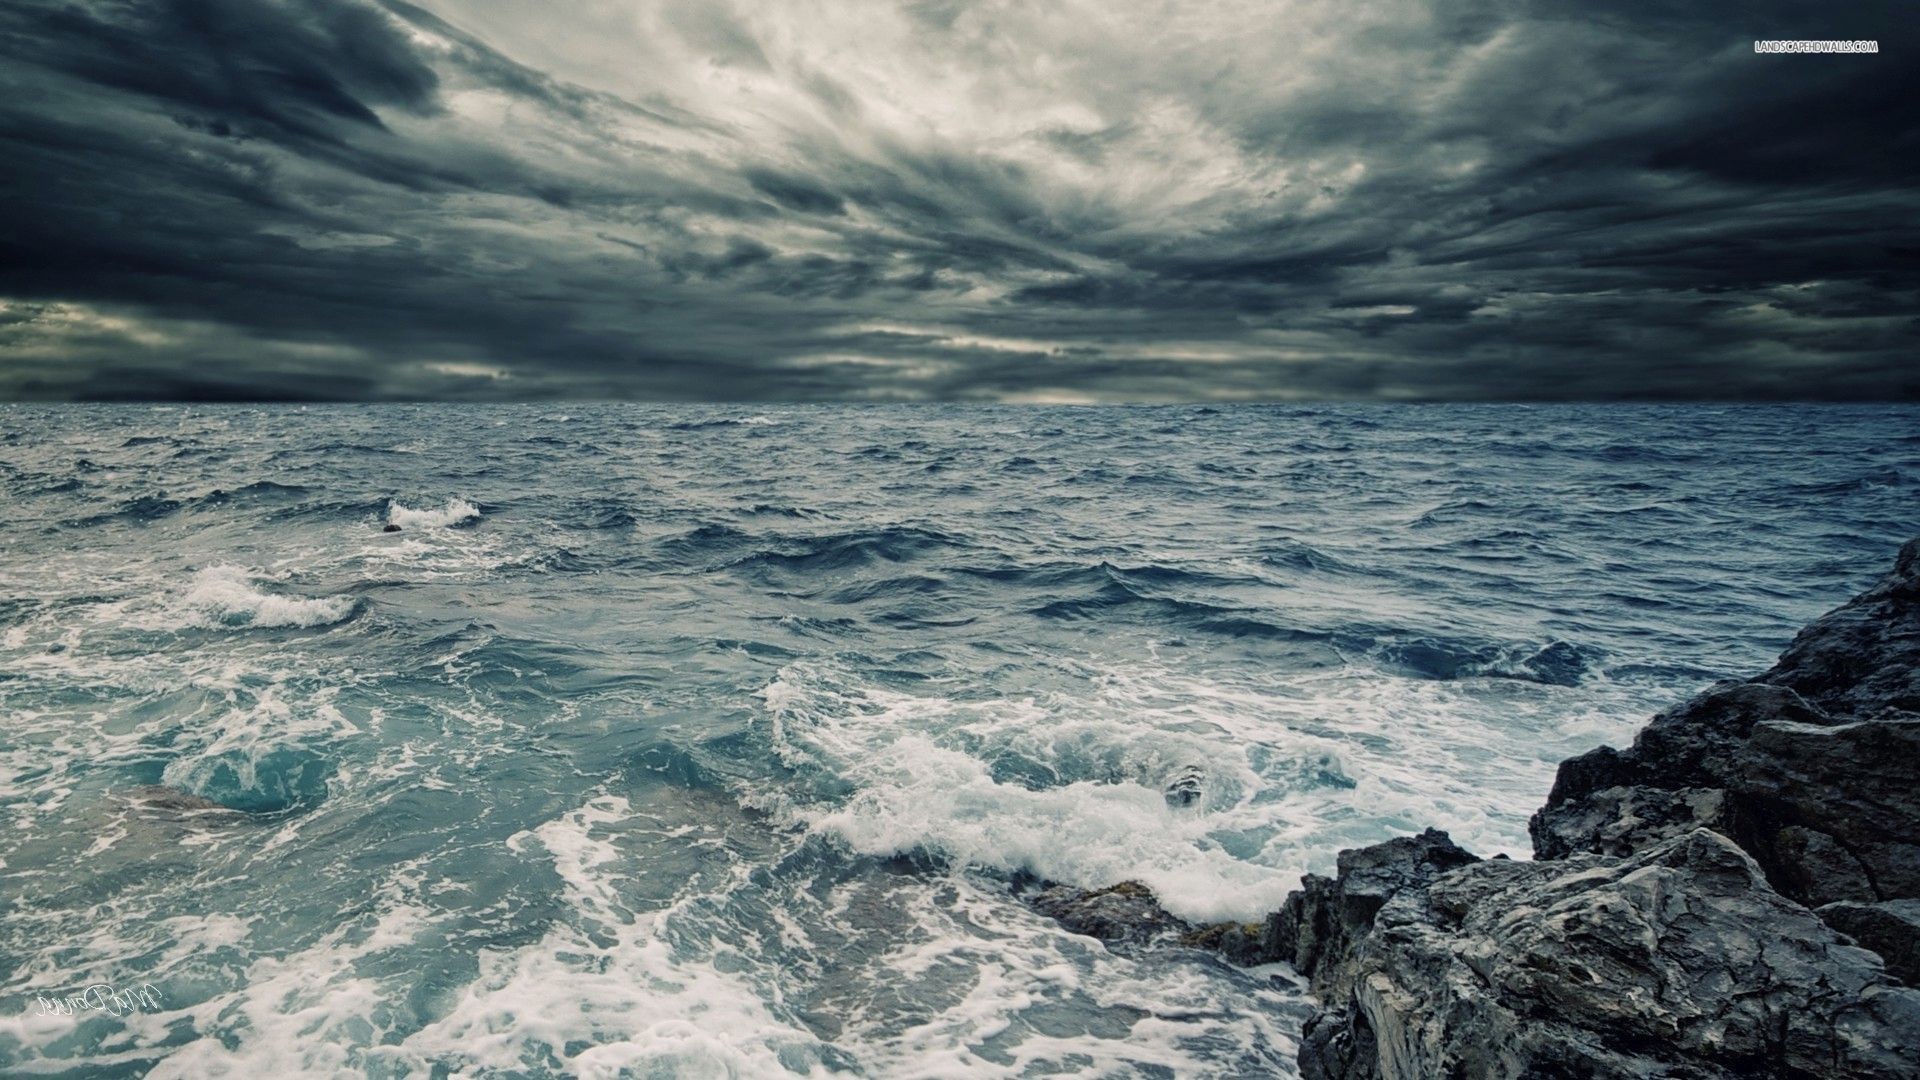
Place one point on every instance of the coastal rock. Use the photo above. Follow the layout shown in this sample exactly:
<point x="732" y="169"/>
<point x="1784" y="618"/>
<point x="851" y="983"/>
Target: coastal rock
<point x="1622" y="820"/>
<point x="1834" y="812"/>
<point x="1813" y="767"/>
<point x="1663" y="930"/>
<point x="1680" y="961"/>
<point x="1321" y="926"/>
<point x="1127" y="913"/>
<point x="1890" y="928"/>
<point x="1666" y="928"/>
<point x="1862" y="659"/>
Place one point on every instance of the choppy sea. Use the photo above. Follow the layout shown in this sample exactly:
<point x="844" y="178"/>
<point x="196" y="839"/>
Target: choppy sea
<point x="721" y="741"/>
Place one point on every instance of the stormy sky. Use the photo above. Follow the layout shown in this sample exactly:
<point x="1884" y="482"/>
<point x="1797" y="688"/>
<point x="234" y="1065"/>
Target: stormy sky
<point x="1005" y="200"/>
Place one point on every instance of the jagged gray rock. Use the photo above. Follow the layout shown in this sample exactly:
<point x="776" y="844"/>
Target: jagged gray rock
<point x="1127" y="913"/>
<point x="1321" y="926"/>
<point x="1813" y="767"/>
<point x="1664" y="929"/>
<point x="1834" y="811"/>
<point x="1651" y="938"/>
<point x="1890" y="928"/>
<point x="1863" y="658"/>
<point x="1680" y="961"/>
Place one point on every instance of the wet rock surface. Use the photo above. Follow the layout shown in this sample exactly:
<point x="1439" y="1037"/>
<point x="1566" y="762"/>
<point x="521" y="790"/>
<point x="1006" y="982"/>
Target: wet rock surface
<point x="1678" y="961"/>
<point x="1890" y="928"/>
<point x="1813" y="767"/>
<point x="1666" y="928"/>
<point x="1737" y="894"/>
<point x="1127" y="913"/>
<point x="1322" y="926"/>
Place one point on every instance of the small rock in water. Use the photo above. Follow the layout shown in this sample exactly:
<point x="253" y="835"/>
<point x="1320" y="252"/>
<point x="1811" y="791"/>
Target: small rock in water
<point x="391" y="528"/>
<point x="173" y="801"/>
<point x="1184" y="789"/>
<point x="1126" y="913"/>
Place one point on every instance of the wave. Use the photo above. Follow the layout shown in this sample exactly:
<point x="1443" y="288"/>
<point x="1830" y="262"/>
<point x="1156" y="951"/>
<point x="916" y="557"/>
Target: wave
<point x="456" y="512"/>
<point x="847" y="550"/>
<point x="722" y="422"/>
<point x="1066" y="790"/>
<point x="1557" y="663"/>
<point x="258" y="491"/>
<point x="925" y="798"/>
<point x="254" y="779"/>
<point x="225" y="597"/>
<point x="140" y="510"/>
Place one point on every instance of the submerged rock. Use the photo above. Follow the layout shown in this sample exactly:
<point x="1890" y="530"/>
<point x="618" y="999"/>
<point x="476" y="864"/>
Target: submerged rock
<point x="1185" y="788"/>
<point x="160" y="799"/>
<point x="1129" y="915"/>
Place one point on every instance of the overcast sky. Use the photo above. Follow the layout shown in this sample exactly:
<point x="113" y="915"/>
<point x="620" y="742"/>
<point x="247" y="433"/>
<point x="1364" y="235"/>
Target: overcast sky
<point x="1009" y="200"/>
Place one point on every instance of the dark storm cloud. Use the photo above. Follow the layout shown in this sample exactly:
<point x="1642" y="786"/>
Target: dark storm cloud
<point x="1135" y="201"/>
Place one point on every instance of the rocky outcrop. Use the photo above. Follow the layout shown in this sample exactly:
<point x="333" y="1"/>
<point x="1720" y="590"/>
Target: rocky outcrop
<point x="1813" y="767"/>
<point x="1127" y="913"/>
<point x="1737" y="894"/>
<point x="1890" y="928"/>
<point x="1679" y="961"/>
<point x="1128" y="916"/>
<point x="1322" y="926"/>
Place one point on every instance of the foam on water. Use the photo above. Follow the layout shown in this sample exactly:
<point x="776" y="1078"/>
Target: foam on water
<point x="916" y="788"/>
<point x="1072" y="784"/>
<point x="605" y="992"/>
<point x="227" y="597"/>
<point x="456" y="512"/>
<point x="723" y="743"/>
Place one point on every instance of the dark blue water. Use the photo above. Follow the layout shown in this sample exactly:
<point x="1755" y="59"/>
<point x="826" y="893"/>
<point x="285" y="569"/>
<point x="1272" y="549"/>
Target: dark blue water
<point x="710" y="741"/>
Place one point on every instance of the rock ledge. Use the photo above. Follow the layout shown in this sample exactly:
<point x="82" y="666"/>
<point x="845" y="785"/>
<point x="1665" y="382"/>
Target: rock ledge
<point x="1737" y="894"/>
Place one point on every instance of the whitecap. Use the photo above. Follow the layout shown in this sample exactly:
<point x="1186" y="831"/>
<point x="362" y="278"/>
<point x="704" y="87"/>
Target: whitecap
<point x="456" y="512"/>
<point x="1016" y="786"/>
<point x="224" y="596"/>
<point x="922" y="797"/>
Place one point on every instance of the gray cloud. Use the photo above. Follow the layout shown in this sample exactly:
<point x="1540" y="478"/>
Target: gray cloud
<point x="1129" y="200"/>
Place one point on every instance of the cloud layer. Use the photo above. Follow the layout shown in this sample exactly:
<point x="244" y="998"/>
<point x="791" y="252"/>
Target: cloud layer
<point x="935" y="200"/>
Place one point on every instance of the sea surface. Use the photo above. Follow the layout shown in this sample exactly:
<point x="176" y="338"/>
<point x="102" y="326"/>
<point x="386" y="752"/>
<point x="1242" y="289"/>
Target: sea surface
<point x="725" y="741"/>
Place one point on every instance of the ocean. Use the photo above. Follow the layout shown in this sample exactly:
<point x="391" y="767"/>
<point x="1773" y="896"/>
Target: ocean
<point x="726" y="740"/>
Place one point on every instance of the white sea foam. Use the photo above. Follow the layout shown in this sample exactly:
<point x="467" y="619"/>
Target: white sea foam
<point x="605" y="991"/>
<point x="1072" y="784"/>
<point x="225" y="596"/>
<point x="299" y="1015"/>
<point x="919" y="795"/>
<point x="457" y="511"/>
<point x="1084" y="802"/>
